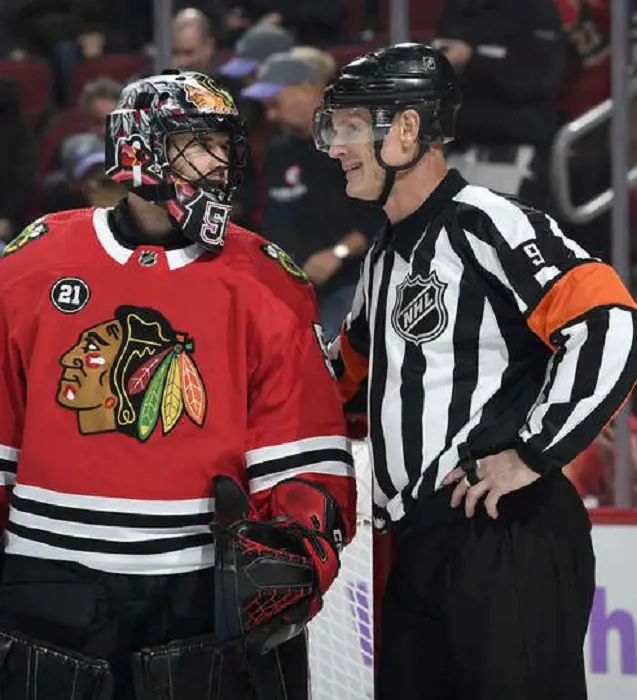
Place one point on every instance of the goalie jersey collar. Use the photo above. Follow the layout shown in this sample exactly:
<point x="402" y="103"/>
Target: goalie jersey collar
<point x="404" y="235"/>
<point x="118" y="236"/>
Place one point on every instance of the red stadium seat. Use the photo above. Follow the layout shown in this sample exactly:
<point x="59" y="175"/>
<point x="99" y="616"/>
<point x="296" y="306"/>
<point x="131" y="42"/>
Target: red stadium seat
<point x="35" y="83"/>
<point x="120" y="67"/>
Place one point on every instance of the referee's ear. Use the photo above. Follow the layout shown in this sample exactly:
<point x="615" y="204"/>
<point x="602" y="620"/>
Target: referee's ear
<point x="409" y="129"/>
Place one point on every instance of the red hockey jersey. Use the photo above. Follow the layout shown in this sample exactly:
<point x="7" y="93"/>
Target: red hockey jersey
<point x="131" y="377"/>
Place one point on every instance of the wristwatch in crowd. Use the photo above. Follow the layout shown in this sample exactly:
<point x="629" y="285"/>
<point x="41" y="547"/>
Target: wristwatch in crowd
<point x="341" y="251"/>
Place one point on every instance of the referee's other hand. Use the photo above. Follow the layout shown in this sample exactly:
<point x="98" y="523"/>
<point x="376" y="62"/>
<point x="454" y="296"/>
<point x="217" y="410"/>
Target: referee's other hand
<point x="498" y="475"/>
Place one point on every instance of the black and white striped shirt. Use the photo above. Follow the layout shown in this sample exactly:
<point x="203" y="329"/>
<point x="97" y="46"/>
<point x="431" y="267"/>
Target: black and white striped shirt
<point x="478" y="326"/>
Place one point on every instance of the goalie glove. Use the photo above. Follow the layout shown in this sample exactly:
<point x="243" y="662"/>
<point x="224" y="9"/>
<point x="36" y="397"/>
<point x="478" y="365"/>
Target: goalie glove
<point x="270" y="576"/>
<point x="309" y="510"/>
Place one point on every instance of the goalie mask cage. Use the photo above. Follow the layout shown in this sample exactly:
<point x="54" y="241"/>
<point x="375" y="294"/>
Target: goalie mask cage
<point x="341" y="637"/>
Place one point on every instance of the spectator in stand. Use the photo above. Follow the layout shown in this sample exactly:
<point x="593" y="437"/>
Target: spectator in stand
<point x="311" y="21"/>
<point x="70" y="187"/>
<point x="307" y="212"/>
<point x="593" y="471"/>
<point x="510" y="56"/>
<point x="194" y="41"/>
<point x="253" y="48"/>
<point x="321" y="60"/>
<point x="16" y="164"/>
<point x="97" y="99"/>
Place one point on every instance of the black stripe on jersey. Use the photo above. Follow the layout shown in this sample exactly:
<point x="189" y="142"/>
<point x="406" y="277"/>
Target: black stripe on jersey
<point x="358" y="333"/>
<point x="412" y="395"/>
<point x="517" y="265"/>
<point x="585" y="380"/>
<point x="88" y="544"/>
<point x="412" y="373"/>
<point x="108" y="518"/>
<point x="378" y="380"/>
<point x="8" y="465"/>
<point x="582" y="434"/>
<point x="466" y="343"/>
<point x="303" y="459"/>
<point x="524" y="374"/>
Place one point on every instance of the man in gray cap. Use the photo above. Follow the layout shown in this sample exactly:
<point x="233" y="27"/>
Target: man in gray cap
<point x="306" y="211"/>
<point x="254" y="47"/>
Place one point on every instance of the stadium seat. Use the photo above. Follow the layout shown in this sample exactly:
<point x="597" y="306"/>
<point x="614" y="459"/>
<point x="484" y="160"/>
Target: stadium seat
<point x="35" y="83"/>
<point x="120" y="67"/>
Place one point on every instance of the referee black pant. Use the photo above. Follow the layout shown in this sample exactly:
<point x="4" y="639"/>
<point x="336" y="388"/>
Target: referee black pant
<point x="482" y="609"/>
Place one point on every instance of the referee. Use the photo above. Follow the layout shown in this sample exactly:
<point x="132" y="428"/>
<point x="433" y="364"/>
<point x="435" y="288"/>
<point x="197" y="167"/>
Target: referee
<point x="492" y="349"/>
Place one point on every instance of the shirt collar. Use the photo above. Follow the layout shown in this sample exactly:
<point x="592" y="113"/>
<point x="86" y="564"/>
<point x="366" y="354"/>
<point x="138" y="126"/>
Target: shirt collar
<point x="403" y="235"/>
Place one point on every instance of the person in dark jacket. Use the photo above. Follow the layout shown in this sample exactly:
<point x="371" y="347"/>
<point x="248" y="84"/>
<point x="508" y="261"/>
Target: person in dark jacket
<point x="509" y="55"/>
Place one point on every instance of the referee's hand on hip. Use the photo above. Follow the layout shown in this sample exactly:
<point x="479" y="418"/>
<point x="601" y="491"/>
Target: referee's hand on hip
<point x="496" y="475"/>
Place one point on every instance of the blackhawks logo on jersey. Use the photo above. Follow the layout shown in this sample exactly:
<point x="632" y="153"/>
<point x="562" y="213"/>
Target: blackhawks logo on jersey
<point x="286" y="261"/>
<point x="129" y="374"/>
<point x="34" y="230"/>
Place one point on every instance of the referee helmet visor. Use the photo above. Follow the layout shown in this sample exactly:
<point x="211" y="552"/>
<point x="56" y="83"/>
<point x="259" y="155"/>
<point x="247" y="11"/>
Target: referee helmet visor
<point x="348" y="126"/>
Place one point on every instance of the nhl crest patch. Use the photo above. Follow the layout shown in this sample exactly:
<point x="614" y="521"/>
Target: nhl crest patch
<point x="420" y="314"/>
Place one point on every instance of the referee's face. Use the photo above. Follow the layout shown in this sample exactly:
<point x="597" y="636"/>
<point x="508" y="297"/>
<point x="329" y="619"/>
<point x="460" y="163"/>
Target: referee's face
<point x="352" y="144"/>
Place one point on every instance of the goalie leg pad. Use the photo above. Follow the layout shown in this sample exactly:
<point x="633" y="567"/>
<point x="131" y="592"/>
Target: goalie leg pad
<point x="195" y="668"/>
<point x="30" y="669"/>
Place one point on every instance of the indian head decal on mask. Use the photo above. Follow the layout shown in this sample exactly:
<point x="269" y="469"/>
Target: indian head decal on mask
<point x="208" y="96"/>
<point x="130" y="373"/>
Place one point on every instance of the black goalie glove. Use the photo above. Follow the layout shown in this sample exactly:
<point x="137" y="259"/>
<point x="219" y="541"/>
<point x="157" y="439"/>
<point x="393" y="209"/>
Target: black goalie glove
<point x="265" y="581"/>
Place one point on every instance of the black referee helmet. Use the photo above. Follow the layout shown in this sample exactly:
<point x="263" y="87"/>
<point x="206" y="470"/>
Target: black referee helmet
<point x="387" y="82"/>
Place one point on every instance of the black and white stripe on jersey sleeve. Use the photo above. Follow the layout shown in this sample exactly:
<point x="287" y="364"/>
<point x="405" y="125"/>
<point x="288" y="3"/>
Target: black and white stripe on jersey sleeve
<point x="524" y="249"/>
<point x="588" y="379"/>
<point x="267" y="466"/>
<point x="8" y="465"/>
<point x="575" y="304"/>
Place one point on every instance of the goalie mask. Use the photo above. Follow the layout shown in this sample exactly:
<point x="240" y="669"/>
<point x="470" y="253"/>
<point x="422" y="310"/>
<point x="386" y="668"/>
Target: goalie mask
<point x="177" y="140"/>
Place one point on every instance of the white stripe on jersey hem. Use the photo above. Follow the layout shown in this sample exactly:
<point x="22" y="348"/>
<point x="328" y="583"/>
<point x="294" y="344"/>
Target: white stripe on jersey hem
<point x="166" y="563"/>
<point x="261" y="483"/>
<point x="292" y="449"/>
<point x="7" y="479"/>
<point x="117" y="505"/>
<point x="11" y="454"/>
<point x="110" y="533"/>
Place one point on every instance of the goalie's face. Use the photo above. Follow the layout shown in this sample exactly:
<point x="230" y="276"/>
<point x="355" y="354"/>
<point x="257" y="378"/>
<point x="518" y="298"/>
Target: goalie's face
<point x="201" y="158"/>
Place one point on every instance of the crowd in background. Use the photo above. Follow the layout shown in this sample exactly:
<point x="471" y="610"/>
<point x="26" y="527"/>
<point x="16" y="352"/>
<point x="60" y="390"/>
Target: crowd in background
<point x="526" y="67"/>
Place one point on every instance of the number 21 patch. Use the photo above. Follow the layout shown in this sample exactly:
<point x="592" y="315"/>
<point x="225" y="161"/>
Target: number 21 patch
<point x="70" y="294"/>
